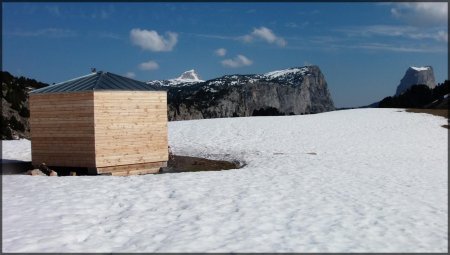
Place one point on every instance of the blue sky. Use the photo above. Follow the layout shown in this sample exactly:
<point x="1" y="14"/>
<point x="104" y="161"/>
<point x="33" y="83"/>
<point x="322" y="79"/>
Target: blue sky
<point x="363" y="49"/>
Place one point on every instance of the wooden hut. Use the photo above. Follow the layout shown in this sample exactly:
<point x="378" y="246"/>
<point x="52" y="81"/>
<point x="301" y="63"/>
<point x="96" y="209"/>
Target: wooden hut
<point x="104" y="122"/>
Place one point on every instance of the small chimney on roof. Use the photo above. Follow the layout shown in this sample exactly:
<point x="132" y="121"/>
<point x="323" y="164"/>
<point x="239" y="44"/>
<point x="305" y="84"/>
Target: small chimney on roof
<point x="93" y="69"/>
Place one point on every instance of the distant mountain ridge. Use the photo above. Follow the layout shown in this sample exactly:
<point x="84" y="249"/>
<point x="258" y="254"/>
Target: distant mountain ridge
<point x="297" y="90"/>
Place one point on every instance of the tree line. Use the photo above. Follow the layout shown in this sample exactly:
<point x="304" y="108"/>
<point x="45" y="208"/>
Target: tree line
<point x="419" y="96"/>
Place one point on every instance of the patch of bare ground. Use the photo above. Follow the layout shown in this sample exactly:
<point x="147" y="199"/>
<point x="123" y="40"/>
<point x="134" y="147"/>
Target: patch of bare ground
<point x="178" y="164"/>
<point x="436" y="112"/>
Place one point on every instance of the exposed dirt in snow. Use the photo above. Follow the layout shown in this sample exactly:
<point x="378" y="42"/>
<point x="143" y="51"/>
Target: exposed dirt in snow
<point x="176" y="164"/>
<point x="179" y="164"/>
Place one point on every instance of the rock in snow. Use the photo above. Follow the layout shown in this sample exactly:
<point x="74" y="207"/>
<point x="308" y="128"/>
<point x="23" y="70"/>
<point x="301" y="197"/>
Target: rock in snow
<point x="416" y="75"/>
<point x="35" y="172"/>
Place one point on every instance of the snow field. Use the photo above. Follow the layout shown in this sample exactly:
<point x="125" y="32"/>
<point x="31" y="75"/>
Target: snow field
<point x="16" y="150"/>
<point x="377" y="182"/>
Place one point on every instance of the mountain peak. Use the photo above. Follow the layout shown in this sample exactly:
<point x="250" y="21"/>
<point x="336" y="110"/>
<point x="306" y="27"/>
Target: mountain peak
<point x="187" y="78"/>
<point x="190" y="75"/>
<point x="416" y="75"/>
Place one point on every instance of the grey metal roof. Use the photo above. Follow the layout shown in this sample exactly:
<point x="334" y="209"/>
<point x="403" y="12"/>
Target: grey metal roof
<point x="96" y="81"/>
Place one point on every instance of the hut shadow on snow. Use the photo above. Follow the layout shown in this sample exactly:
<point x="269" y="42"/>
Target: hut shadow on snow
<point x="15" y="166"/>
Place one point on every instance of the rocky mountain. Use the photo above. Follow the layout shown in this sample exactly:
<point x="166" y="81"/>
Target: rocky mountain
<point x="416" y="75"/>
<point x="187" y="78"/>
<point x="299" y="90"/>
<point x="15" y="113"/>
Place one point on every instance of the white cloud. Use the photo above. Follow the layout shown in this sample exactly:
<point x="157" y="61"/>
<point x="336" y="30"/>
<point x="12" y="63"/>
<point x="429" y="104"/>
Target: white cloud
<point x="441" y="36"/>
<point x="130" y="75"/>
<point x="398" y="48"/>
<point x="410" y="32"/>
<point x="291" y="24"/>
<point x="109" y="35"/>
<point x="238" y="61"/>
<point x="211" y="36"/>
<point x="104" y="13"/>
<point x="297" y="25"/>
<point x="422" y="13"/>
<point x="265" y="34"/>
<point x="151" y="40"/>
<point x="149" y="65"/>
<point x="221" y="52"/>
<point x="247" y="38"/>
<point x="46" y="32"/>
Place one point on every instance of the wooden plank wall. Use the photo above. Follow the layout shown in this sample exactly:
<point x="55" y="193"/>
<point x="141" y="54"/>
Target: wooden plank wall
<point x="62" y="129"/>
<point x="130" y="127"/>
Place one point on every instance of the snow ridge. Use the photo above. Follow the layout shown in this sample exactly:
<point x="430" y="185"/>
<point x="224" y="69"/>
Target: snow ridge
<point x="285" y="72"/>
<point x="422" y="68"/>
<point x="290" y="76"/>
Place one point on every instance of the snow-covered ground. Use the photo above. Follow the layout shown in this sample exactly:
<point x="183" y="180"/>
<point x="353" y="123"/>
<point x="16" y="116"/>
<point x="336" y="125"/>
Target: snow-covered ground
<point x="361" y="180"/>
<point x="16" y="150"/>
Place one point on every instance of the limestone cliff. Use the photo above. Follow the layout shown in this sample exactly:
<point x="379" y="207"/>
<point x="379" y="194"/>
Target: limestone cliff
<point x="285" y="92"/>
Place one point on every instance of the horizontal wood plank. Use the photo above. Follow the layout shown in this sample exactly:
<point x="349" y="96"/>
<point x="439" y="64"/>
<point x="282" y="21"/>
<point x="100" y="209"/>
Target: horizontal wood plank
<point x="99" y="128"/>
<point x="131" y="167"/>
<point x="62" y="129"/>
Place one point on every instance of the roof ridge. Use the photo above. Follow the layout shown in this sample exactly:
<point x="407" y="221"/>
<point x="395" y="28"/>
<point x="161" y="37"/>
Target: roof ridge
<point x="97" y="82"/>
<point x="84" y="76"/>
<point x="59" y="83"/>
